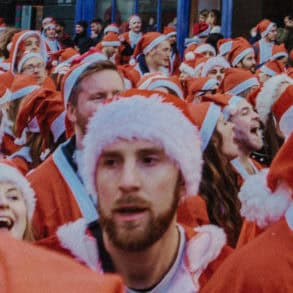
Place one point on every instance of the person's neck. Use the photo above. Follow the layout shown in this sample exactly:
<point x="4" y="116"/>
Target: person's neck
<point x="152" y="66"/>
<point x="244" y="159"/>
<point x="145" y="269"/>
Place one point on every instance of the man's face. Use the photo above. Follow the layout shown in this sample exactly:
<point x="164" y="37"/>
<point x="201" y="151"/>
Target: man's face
<point x="272" y="35"/>
<point x="79" y="29"/>
<point x="161" y="54"/>
<point x="96" y="27"/>
<point x="35" y="67"/>
<point x="248" y="62"/>
<point x="138" y="188"/>
<point x="135" y="25"/>
<point x="217" y="72"/>
<point x="32" y="44"/>
<point x="247" y="127"/>
<point x="51" y="32"/>
<point x="94" y="90"/>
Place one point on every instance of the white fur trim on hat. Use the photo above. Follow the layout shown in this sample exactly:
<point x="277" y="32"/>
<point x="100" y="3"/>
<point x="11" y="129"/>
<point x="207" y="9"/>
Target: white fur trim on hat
<point x="267" y="71"/>
<point x="205" y="48"/>
<point x="209" y="124"/>
<point x="134" y="18"/>
<point x="111" y="43"/>
<point x="209" y="84"/>
<point x="279" y="55"/>
<point x="112" y="29"/>
<point x="225" y="48"/>
<point x="144" y="118"/>
<point x="269" y="94"/>
<point x="167" y="84"/>
<point x="259" y="204"/>
<point x="231" y="108"/>
<point x="189" y="70"/>
<point x="26" y="57"/>
<point x="172" y="34"/>
<point x="240" y="56"/>
<point x="189" y="56"/>
<point x="154" y="43"/>
<point x="193" y="40"/>
<point x="11" y="174"/>
<point x="286" y="122"/>
<point x="241" y="87"/>
<point x="213" y="62"/>
<point x="268" y="29"/>
<point x="23" y="92"/>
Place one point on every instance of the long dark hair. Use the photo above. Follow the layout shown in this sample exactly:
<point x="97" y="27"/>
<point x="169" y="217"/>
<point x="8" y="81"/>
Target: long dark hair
<point x="219" y="189"/>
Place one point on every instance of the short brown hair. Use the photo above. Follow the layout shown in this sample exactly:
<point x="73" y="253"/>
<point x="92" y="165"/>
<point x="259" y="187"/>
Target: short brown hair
<point x="94" y="68"/>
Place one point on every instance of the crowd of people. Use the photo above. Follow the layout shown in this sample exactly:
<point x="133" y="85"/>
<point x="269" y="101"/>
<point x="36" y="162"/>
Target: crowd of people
<point x="126" y="168"/>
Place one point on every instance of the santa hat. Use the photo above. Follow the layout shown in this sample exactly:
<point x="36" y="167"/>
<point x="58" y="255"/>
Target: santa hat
<point x="224" y="46"/>
<point x="9" y="173"/>
<point x="213" y="62"/>
<point x="192" y="41"/>
<point x="199" y="86"/>
<point x="205" y="48"/>
<point x="5" y="94"/>
<point x="22" y="85"/>
<point x="237" y="80"/>
<point x="44" y="109"/>
<point x="26" y="57"/>
<point x="111" y="39"/>
<point x="264" y="27"/>
<point x="272" y="68"/>
<point x="279" y="51"/>
<point x="72" y="77"/>
<point x="147" y="42"/>
<point x="240" y="49"/>
<point x="16" y="50"/>
<point x="47" y="20"/>
<point x="156" y="80"/>
<point x="269" y="95"/>
<point x="157" y="117"/>
<point x="266" y="197"/>
<point x="134" y="18"/>
<point x="170" y="31"/>
<point x="205" y="115"/>
<point x="194" y="66"/>
<point x="201" y="29"/>
<point x="112" y="27"/>
<point x="51" y="24"/>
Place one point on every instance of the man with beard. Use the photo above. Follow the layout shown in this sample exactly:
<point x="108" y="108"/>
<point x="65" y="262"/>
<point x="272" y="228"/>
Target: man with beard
<point x="145" y="159"/>
<point x="61" y="196"/>
<point x="242" y="55"/>
<point x="247" y="133"/>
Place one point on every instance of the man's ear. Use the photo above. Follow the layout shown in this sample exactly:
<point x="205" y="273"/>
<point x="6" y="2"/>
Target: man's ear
<point x="71" y="112"/>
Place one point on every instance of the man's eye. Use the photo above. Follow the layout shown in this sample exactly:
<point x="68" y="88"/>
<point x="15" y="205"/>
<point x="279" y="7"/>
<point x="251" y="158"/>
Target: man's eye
<point x="13" y="197"/>
<point x="109" y="162"/>
<point x="149" y="160"/>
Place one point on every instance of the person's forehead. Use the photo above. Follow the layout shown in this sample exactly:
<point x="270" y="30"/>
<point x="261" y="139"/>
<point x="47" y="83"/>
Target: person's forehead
<point x="163" y="44"/>
<point x="30" y="38"/>
<point x="105" y="80"/>
<point x="132" y="145"/>
<point x="5" y="185"/>
<point x="217" y="67"/>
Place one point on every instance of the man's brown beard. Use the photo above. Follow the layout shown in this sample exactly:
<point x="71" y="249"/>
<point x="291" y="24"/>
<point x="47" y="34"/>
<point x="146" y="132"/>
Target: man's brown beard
<point x="132" y="240"/>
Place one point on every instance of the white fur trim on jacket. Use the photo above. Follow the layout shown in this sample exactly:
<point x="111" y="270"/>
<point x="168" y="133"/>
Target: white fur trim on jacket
<point x="149" y="119"/>
<point x="204" y="248"/>
<point x="72" y="236"/>
<point x="259" y="204"/>
<point x="11" y="174"/>
<point x="269" y="94"/>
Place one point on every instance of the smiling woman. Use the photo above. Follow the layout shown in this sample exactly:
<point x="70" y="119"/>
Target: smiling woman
<point x="17" y="203"/>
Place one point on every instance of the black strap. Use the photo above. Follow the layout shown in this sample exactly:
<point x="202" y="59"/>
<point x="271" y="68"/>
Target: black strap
<point x="107" y="264"/>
